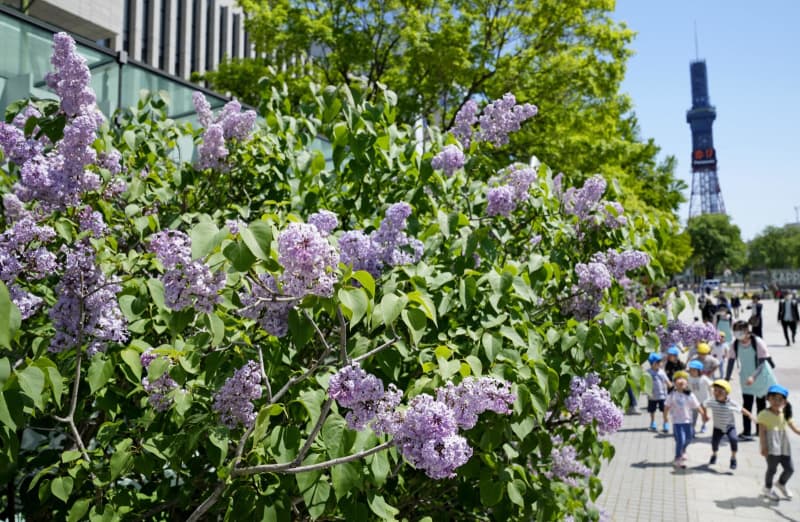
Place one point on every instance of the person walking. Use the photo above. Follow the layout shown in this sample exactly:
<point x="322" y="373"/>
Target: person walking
<point x="787" y="316"/>
<point x="680" y="403"/>
<point x="775" y="445"/>
<point x="736" y="304"/>
<point x="756" y="319"/>
<point x="754" y="375"/>
<point x="722" y="410"/>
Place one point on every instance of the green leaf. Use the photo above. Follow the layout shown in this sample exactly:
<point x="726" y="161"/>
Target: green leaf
<point x="133" y="359"/>
<point x="425" y="302"/>
<point x="240" y="256"/>
<point x="10" y="318"/>
<point x="156" y="289"/>
<point x="100" y="371"/>
<point x="514" y="490"/>
<point x="61" y="487"/>
<point x="380" y="467"/>
<point x="78" y="510"/>
<point x="475" y="364"/>
<point x="121" y="460"/>
<point x="217" y="327"/>
<point x="391" y="306"/>
<point x="417" y="324"/>
<point x="129" y="137"/>
<point x="382" y="509"/>
<point x="333" y="435"/>
<point x="346" y="478"/>
<point x="491" y="490"/>
<point x="56" y="383"/>
<point x="204" y="239"/>
<point x="258" y="238"/>
<point x="366" y="280"/>
<point x="5" y="370"/>
<point x="11" y="414"/>
<point x="31" y="381"/>
<point x="354" y="303"/>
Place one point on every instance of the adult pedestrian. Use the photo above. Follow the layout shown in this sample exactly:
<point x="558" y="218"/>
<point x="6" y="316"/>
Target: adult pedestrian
<point x="736" y="304"/>
<point x="755" y="371"/>
<point x="756" y="319"/>
<point x="787" y="316"/>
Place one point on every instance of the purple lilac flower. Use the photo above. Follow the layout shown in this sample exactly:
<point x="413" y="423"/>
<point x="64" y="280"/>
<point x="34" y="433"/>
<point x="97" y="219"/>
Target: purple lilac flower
<point x="260" y="305"/>
<point x="359" y="391"/>
<point x="582" y="202"/>
<point x="502" y="117"/>
<point x="233" y="225"/>
<point x="16" y="147"/>
<point x="590" y="402"/>
<point x="27" y="302"/>
<point x="114" y="189"/>
<point x="392" y="240"/>
<point x="325" y="221"/>
<point x="535" y="240"/>
<point x="22" y="116"/>
<point x="71" y="78"/>
<point x="187" y="283"/>
<point x="87" y="307"/>
<point x="520" y="180"/>
<point x="147" y="357"/>
<point x="236" y="125"/>
<point x="500" y="201"/>
<point x="92" y="221"/>
<point x="360" y="252"/>
<point x="587" y="294"/>
<point x="112" y="161"/>
<point x="234" y="401"/>
<point x="466" y="117"/>
<point x="566" y="467"/>
<point x="449" y="160"/>
<point x="679" y="333"/>
<point x="203" y="109"/>
<point x="13" y="208"/>
<point x="158" y="391"/>
<point x="309" y="261"/>
<point x="619" y="263"/>
<point x="614" y="219"/>
<point x="23" y="254"/>
<point x="474" y="396"/>
<point x="593" y="276"/>
<point x="212" y="151"/>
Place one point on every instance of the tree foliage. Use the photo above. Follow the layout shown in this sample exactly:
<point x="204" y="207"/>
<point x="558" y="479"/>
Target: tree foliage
<point x="716" y="242"/>
<point x="775" y="247"/>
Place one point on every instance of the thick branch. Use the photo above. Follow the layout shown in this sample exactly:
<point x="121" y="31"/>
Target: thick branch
<point x="376" y="350"/>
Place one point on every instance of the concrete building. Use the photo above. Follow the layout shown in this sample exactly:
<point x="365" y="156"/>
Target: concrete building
<point x="178" y="37"/>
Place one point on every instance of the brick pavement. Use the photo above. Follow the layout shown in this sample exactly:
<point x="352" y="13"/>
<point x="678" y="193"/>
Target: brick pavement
<point x="640" y="483"/>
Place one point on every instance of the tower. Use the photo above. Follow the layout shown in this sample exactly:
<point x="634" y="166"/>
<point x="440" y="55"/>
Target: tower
<point x="706" y="194"/>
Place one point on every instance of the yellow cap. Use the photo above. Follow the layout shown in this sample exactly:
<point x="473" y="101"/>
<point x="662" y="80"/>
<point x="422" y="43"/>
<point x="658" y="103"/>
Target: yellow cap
<point x="680" y="374"/>
<point x="703" y="348"/>
<point x="722" y="383"/>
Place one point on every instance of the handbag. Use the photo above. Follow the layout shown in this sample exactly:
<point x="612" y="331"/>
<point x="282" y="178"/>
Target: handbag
<point x="764" y="380"/>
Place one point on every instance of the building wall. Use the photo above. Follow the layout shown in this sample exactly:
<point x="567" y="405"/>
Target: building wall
<point x="176" y="36"/>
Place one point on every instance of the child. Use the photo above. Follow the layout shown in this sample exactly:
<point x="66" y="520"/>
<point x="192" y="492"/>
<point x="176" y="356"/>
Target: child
<point x="710" y="364"/>
<point x="774" y="442"/>
<point x="701" y="387"/>
<point x="723" y="410"/>
<point x="659" y="391"/>
<point x="673" y="364"/>
<point x="680" y="403"/>
<point x="719" y="351"/>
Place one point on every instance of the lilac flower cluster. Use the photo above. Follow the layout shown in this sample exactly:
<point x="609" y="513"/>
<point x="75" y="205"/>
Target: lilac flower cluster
<point x="450" y="159"/>
<point x="363" y="394"/>
<point x="498" y="119"/>
<point x="22" y="253"/>
<point x="503" y="199"/>
<point x="679" y="333"/>
<point x="502" y="117"/>
<point x="325" y="221"/>
<point x="619" y="263"/>
<point x="87" y="307"/>
<point x="590" y="402"/>
<point x="230" y="124"/>
<point x="16" y="146"/>
<point x="186" y="282"/>
<point x="387" y="246"/>
<point x="158" y="390"/>
<point x="92" y="221"/>
<point x="261" y="305"/>
<point x="71" y="78"/>
<point x="566" y="467"/>
<point x="587" y="205"/>
<point x="308" y="260"/>
<point x="234" y="401"/>
<point x="426" y="433"/>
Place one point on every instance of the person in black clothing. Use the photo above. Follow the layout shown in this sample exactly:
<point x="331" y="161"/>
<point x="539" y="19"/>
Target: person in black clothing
<point x="736" y="304"/>
<point x="673" y="363"/>
<point x="756" y="319"/>
<point x="787" y="316"/>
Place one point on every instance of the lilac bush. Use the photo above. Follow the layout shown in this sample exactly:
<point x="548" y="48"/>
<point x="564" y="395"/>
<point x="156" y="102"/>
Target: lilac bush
<point x="234" y="401"/>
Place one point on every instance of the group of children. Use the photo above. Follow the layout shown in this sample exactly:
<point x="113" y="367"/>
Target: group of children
<point x="684" y="396"/>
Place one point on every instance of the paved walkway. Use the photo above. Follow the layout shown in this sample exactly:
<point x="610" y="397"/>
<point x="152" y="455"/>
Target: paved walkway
<point x="640" y="483"/>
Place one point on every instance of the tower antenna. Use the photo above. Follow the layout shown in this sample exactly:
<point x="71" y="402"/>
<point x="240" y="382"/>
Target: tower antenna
<point x="696" y="47"/>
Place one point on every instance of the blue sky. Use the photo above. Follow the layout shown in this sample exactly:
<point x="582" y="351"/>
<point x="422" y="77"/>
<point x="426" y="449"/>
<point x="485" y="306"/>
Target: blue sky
<point x="752" y="51"/>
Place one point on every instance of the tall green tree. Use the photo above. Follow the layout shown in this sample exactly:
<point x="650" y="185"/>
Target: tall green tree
<point x="717" y="243"/>
<point x="775" y="247"/>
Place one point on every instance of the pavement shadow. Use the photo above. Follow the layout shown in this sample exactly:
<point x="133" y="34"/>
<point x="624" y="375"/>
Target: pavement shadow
<point x="754" y="502"/>
<point x="643" y="464"/>
<point x="631" y="430"/>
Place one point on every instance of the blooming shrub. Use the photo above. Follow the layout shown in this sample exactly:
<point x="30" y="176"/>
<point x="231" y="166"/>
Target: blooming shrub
<point x="183" y="339"/>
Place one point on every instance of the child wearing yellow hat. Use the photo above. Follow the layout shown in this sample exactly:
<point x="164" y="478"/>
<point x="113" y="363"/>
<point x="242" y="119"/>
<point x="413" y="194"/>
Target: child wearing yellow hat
<point x="710" y="363"/>
<point x="680" y="403"/>
<point x="723" y="411"/>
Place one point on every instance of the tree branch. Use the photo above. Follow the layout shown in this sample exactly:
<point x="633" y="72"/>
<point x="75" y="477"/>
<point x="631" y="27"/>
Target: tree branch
<point x="376" y="350"/>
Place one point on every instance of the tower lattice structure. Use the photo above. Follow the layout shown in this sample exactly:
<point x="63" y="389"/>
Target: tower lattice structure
<point x="706" y="194"/>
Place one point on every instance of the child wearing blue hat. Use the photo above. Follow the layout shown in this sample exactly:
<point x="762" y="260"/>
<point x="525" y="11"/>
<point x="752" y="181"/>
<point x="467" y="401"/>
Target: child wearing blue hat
<point x="673" y="364"/>
<point x="774" y="442"/>
<point x="658" y="393"/>
<point x="700" y="385"/>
